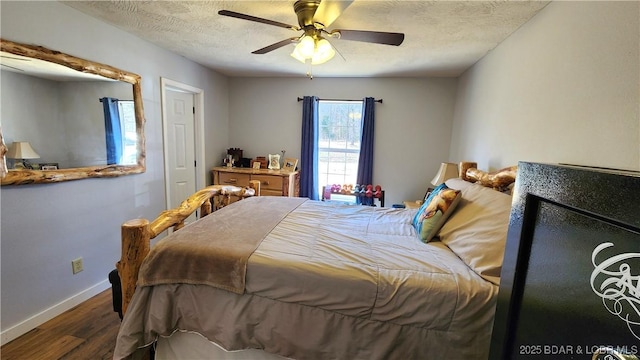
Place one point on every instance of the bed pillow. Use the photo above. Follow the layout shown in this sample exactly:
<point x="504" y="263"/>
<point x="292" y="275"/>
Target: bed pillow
<point x="477" y="230"/>
<point x="434" y="211"/>
<point x="457" y="183"/>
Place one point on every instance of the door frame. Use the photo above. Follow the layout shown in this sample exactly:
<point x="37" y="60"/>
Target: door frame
<point x="198" y="103"/>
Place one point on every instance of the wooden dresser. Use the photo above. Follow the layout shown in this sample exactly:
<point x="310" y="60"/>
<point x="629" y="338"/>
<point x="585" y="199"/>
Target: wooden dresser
<point x="272" y="182"/>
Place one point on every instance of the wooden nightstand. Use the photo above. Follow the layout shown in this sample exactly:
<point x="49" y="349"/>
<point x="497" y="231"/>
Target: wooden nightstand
<point x="412" y="204"/>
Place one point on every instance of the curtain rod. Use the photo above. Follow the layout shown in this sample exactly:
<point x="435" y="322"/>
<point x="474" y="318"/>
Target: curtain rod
<point x="378" y="100"/>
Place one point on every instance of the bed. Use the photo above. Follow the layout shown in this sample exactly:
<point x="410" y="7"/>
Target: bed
<point x="273" y="278"/>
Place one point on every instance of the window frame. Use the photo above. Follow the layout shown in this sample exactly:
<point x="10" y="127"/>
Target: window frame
<point x="354" y="113"/>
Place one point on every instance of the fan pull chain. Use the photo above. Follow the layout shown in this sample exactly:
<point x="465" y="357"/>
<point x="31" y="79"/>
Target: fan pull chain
<point x="309" y="71"/>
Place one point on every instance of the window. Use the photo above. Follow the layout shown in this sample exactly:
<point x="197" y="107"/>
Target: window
<point x="120" y="131"/>
<point x="339" y="134"/>
<point x="129" y="135"/>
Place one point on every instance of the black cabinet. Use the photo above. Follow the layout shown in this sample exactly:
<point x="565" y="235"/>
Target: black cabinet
<point x="570" y="280"/>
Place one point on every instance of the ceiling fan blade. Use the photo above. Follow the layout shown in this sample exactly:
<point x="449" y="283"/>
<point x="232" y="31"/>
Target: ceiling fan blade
<point x="378" y="37"/>
<point x="329" y="10"/>
<point x="238" y="15"/>
<point x="275" y="46"/>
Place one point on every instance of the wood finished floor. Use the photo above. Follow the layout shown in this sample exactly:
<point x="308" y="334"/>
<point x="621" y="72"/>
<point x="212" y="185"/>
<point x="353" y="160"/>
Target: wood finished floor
<point x="88" y="331"/>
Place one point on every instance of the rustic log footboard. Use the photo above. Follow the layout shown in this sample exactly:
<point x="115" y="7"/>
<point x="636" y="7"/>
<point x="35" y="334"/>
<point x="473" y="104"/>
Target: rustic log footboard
<point x="137" y="233"/>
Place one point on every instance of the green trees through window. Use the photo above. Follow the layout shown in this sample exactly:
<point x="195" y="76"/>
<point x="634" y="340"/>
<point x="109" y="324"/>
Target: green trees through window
<point x="340" y="131"/>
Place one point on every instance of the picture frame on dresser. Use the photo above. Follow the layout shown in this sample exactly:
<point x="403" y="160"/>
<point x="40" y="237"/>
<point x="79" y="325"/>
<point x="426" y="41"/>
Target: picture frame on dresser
<point x="48" y="166"/>
<point x="274" y="161"/>
<point x="290" y="164"/>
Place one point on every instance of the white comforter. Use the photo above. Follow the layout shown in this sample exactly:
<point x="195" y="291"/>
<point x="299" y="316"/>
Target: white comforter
<point x="332" y="282"/>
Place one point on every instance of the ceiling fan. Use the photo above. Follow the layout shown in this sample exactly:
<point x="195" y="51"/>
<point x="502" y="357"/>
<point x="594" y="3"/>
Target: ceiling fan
<point x="314" y="18"/>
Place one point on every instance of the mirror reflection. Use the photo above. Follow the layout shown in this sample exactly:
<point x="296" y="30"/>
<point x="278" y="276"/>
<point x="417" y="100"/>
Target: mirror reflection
<point x="71" y="122"/>
<point x="85" y="123"/>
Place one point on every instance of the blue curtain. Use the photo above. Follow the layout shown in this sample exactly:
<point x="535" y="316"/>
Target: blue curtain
<point x="113" y="132"/>
<point x="309" y="152"/>
<point x="365" y="162"/>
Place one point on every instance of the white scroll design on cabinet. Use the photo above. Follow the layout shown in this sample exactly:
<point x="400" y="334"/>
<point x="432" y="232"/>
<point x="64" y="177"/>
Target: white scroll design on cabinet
<point x="618" y="284"/>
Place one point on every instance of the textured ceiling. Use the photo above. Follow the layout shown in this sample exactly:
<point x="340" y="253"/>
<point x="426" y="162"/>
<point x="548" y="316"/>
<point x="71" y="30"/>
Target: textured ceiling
<point x="442" y="38"/>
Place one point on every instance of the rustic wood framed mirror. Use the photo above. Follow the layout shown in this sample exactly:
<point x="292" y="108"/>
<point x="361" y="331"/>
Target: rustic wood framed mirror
<point x="59" y="105"/>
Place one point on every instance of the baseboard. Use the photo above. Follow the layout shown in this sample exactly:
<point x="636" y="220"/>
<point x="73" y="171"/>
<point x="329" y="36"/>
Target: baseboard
<point x="48" y="314"/>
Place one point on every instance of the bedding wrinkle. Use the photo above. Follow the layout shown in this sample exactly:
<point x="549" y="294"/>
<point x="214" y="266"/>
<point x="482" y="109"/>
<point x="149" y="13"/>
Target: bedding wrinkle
<point x="438" y="255"/>
<point x="376" y="298"/>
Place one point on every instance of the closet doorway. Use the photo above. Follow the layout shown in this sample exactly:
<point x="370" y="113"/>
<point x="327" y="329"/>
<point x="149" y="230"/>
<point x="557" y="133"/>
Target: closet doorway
<point x="183" y="139"/>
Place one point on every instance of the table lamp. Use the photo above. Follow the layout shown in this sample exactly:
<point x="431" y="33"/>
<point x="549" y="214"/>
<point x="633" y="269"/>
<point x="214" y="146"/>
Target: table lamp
<point x="447" y="171"/>
<point x="21" y="150"/>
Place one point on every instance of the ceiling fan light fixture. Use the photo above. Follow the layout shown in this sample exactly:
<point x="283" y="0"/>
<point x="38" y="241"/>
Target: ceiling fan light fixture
<point x="306" y="47"/>
<point x="296" y="54"/>
<point x="316" y="51"/>
<point x="324" y="52"/>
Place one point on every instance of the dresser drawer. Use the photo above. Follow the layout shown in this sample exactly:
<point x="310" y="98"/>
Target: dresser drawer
<point x="269" y="182"/>
<point x="267" y="192"/>
<point x="234" y="179"/>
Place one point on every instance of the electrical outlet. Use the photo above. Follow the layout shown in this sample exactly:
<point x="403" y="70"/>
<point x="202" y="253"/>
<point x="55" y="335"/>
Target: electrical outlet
<point x="76" y="265"/>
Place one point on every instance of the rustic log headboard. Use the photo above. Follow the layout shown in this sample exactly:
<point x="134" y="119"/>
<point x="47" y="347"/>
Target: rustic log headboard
<point x="499" y="180"/>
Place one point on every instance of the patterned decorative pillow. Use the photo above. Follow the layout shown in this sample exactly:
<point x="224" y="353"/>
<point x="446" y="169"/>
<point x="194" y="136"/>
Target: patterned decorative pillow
<point x="434" y="212"/>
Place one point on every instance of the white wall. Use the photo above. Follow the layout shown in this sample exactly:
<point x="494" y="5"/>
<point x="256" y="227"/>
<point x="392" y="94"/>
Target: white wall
<point x="412" y="129"/>
<point x="44" y="227"/>
<point x="562" y="89"/>
<point x="24" y="119"/>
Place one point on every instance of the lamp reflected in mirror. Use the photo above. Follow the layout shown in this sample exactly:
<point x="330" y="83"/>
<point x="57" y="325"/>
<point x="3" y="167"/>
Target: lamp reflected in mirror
<point x="21" y="152"/>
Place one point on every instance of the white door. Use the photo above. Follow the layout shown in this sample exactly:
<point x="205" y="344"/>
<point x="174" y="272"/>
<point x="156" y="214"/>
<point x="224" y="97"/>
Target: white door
<point x="180" y="154"/>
